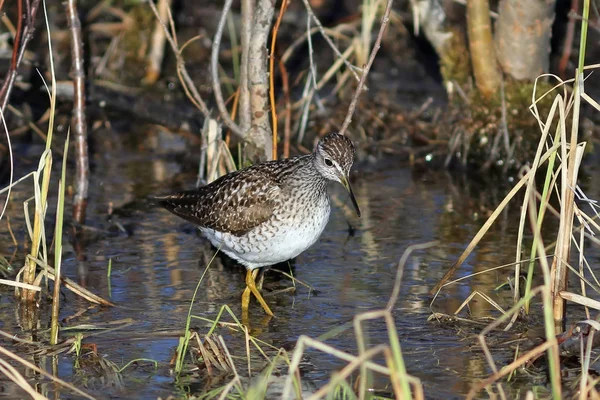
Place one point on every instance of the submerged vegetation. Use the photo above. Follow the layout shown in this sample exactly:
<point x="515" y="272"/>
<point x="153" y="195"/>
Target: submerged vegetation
<point x="213" y="354"/>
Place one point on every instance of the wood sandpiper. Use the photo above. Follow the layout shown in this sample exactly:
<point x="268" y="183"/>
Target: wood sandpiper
<point x="270" y="212"/>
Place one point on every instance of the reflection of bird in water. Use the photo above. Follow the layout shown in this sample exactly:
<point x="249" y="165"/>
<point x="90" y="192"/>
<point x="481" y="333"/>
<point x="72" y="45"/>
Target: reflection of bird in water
<point x="270" y="212"/>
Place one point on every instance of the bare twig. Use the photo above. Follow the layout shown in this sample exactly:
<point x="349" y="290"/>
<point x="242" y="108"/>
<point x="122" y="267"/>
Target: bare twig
<point x="79" y="119"/>
<point x="384" y="22"/>
<point x="214" y="70"/>
<point x="23" y="36"/>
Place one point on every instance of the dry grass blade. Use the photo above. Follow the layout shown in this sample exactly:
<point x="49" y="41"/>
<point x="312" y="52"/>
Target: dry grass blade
<point x="74" y="287"/>
<point x="348" y="369"/>
<point x="508" y="369"/>
<point x="20" y="285"/>
<point x="579" y="299"/>
<point x="53" y="378"/>
<point x="187" y="83"/>
<point x="15" y="376"/>
<point x="400" y="380"/>
<point x="488" y="223"/>
<point x="485" y="297"/>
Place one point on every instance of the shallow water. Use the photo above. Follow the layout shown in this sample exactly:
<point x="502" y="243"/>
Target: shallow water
<point x="157" y="260"/>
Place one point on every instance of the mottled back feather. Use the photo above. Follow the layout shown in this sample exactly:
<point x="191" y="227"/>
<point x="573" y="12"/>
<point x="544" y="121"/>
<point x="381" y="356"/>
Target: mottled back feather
<point x="235" y="203"/>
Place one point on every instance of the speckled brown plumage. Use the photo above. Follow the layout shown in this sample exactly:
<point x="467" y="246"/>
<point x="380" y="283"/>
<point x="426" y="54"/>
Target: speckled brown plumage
<point x="236" y="202"/>
<point x="272" y="211"/>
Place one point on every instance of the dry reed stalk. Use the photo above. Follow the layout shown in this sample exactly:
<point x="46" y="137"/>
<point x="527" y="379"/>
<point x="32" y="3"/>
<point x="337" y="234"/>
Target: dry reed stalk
<point x="567" y="210"/>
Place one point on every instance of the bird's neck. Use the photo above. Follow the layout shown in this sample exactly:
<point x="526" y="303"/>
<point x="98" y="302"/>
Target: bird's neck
<point x="307" y="174"/>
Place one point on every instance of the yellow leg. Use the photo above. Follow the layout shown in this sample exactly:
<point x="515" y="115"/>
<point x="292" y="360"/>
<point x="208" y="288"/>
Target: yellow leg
<point x="246" y="299"/>
<point x="251" y="287"/>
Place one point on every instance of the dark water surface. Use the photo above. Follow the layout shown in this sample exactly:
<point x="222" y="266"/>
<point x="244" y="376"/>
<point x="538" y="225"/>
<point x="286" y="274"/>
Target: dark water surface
<point x="157" y="260"/>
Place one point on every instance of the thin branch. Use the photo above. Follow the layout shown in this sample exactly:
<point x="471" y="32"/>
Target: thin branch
<point x="184" y="77"/>
<point x="384" y="22"/>
<point x="214" y="70"/>
<point x="310" y="12"/>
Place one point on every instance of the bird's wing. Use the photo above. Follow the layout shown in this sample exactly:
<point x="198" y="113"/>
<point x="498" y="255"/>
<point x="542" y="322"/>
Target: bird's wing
<point x="235" y="203"/>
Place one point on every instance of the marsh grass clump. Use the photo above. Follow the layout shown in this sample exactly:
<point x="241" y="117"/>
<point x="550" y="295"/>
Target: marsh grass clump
<point x="499" y="132"/>
<point x="454" y="66"/>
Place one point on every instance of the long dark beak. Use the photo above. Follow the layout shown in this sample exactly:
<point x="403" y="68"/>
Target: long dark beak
<point x="346" y="183"/>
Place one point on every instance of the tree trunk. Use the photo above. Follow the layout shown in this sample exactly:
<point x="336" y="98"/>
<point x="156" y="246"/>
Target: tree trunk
<point x="523" y="33"/>
<point x="258" y="138"/>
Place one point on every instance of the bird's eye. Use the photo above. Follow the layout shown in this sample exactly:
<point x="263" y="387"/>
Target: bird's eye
<point x="328" y="162"/>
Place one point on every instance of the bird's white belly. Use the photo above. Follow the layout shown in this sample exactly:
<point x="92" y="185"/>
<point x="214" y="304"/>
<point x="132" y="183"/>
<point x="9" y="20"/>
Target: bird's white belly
<point x="274" y="241"/>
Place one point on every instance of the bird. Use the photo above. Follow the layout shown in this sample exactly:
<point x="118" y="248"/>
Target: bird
<point x="269" y="212"/>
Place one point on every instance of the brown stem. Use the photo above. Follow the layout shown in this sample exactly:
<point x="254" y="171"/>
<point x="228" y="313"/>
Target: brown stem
<point x="568" y="44"/>
<point x="284" y="4"/>
<point x="361" y="83"/>
<point x="79" y="120"/>
<point x="287" y="130"/>
<point x="246" y="35"/>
